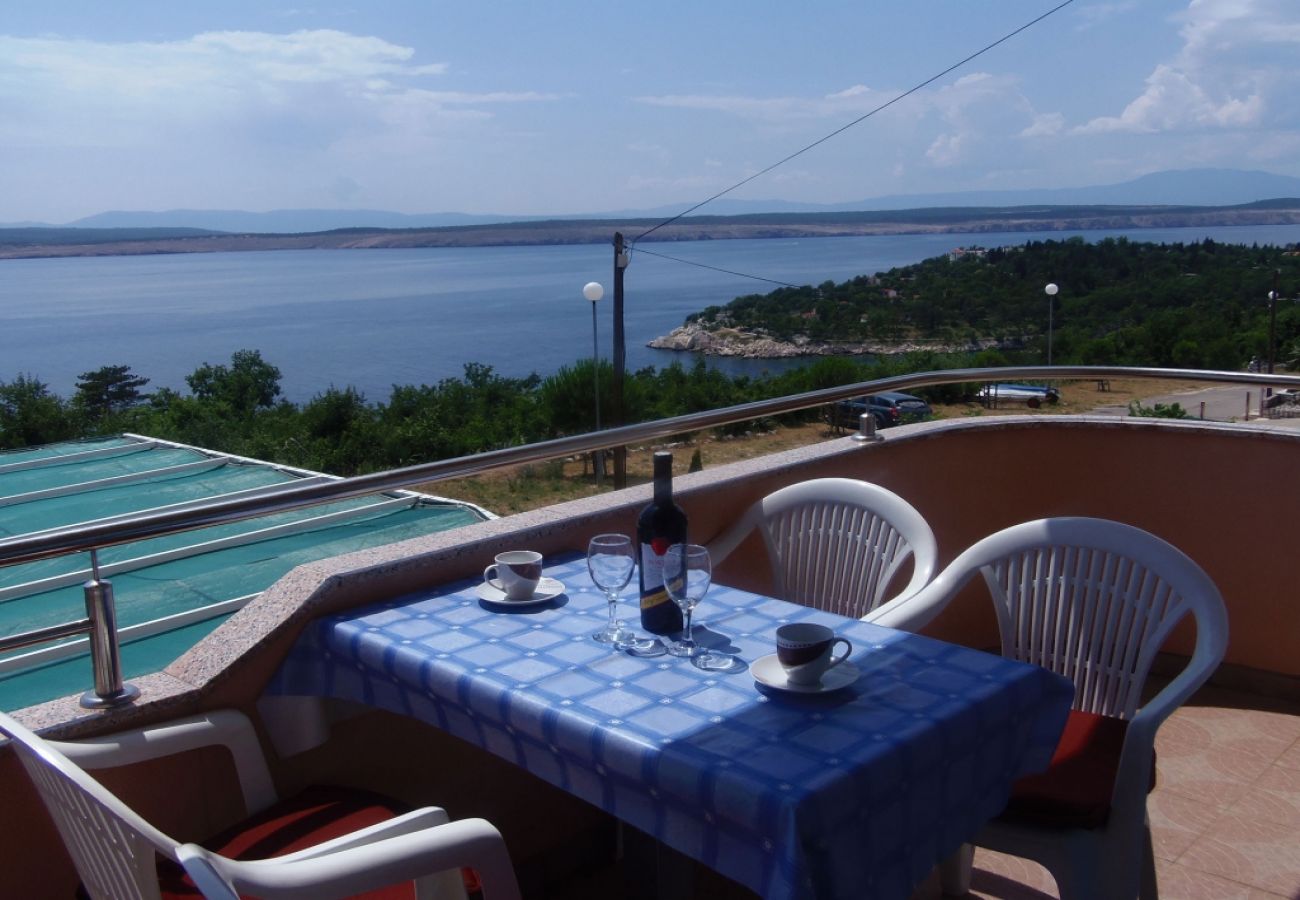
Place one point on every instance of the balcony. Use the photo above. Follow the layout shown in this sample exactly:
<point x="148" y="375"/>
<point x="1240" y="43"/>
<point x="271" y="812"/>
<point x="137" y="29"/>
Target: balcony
<point x="1228" y="801"/>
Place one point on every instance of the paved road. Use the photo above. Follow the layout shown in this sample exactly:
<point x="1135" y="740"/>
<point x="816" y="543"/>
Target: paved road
<point x="1222" y="404"/>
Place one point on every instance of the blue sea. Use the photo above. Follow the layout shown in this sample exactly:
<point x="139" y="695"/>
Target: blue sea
<point x="375" y="318"/>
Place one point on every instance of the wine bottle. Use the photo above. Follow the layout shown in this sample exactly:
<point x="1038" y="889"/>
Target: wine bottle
<point x="660" y="525"/>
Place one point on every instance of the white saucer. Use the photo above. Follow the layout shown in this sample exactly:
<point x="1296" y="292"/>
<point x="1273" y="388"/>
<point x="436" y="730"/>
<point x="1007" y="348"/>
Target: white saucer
<point x="547" y="590"/>
<point x="767" y="671"/>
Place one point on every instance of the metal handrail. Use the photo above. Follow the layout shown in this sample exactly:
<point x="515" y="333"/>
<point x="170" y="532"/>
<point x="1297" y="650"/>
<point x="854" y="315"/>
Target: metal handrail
<point x="123" y="529"/>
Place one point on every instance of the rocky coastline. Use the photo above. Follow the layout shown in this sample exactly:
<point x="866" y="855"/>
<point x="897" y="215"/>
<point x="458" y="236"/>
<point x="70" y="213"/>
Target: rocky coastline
<point x="751" y="345"/>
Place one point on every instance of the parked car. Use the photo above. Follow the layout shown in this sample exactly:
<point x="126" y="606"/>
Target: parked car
<point x="1032" y="395"/>
<point x="888" y="408"/>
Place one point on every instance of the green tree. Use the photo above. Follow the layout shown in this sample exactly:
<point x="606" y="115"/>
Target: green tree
<point x="108" y="390"/>
<point x="247" y="384"/>
<point x="336" y="429"/>
<point x="567" y="399"/>
<point x="31" y="415"/>
<point x="460" y="416"/>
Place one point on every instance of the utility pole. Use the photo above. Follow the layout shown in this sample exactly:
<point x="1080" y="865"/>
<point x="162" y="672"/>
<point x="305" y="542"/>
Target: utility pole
<point x="619" y="359"/>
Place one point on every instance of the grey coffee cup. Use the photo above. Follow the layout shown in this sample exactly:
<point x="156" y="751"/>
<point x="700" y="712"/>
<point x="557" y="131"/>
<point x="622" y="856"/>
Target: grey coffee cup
<point x="515" y="573"/>
<point x="805" y="651"/>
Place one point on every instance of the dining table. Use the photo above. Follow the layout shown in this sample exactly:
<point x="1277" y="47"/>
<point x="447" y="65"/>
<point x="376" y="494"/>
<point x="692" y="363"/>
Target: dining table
<point x="854" y="789"/>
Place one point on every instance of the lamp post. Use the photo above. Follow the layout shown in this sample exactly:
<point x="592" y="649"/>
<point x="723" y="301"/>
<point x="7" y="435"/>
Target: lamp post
<point x="1050" y="291"/>
<point x="593" y="291"/>
<point x="1272" y="321"/>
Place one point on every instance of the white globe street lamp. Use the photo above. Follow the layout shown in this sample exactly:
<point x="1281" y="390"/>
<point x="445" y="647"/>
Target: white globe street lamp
<point x="593" y="291"/>
<point x="1272" y="329"/>
<point x="1050" y="291"/>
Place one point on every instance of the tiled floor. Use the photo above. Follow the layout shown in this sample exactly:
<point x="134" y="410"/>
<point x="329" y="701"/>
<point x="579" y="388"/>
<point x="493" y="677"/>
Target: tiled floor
<point x="1225" y="815"/>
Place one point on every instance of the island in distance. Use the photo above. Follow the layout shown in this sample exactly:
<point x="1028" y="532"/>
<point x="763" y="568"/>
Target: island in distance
<point x="49" y="242"/>
<point x="1198" y="197"/>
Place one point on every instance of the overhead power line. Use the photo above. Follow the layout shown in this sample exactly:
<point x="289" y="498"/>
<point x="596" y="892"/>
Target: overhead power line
<point x="862" y="118"/>
<point x="716" y="268"/>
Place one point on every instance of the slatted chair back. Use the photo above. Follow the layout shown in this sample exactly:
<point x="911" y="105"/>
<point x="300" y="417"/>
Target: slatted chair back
<point x="1093" y="600"/>
<point x="838" y="544"/>
<point x="112" y="848"/>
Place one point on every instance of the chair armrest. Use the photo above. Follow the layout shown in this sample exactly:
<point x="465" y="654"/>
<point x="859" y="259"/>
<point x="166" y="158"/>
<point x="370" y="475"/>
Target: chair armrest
<point x="226" y="728"/>
<point x="409" y="823"/>
<point x="734" y="535"/>
<point x="1135" y="759"/>
<point x="468" y="842"/>
<point x="913" y="611"/>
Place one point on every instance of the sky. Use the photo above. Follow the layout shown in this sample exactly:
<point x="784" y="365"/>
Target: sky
<point x="524" y="108"/>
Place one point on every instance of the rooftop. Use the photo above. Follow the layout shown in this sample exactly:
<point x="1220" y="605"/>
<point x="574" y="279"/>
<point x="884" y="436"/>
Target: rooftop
<point x="170" y="591"/>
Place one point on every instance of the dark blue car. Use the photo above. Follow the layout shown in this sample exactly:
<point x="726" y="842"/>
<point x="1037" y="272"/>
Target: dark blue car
<point x="887" y="408"/>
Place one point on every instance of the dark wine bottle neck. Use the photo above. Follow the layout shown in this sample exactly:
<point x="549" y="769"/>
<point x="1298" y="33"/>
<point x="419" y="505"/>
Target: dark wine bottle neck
<point x="663" y="479"/>
<point x="663" y="491"/>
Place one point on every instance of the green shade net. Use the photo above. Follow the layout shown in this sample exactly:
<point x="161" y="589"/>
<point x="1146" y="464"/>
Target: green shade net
<point x="163" y="588"/>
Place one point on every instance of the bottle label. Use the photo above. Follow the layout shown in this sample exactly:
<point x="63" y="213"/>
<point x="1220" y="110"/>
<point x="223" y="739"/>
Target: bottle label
<point x="652" y="567"/>
<point x="659" y="614"/>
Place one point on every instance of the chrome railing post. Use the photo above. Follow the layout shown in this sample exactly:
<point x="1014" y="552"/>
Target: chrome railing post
<point x="867" y="429"/>
<point x="104" y="652"/>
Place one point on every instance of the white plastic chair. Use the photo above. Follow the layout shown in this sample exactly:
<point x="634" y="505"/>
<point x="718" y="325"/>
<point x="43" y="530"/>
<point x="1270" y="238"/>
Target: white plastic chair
<point x="836" y="544"/>
<point x="1093" y="600"/>
<point x="116" y="852"/>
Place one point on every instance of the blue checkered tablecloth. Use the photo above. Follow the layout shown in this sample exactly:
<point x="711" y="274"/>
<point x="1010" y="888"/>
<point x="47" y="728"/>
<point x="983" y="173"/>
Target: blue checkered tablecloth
<point x="856" y="793"/>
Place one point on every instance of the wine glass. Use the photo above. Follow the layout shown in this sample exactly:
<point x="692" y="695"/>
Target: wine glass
<point x="611" y="559"/>
<point x="687" y="575"/>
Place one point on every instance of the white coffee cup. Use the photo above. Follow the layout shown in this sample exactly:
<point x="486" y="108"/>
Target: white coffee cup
<point x="515" y="573"/>
<point x="805" y="651"/>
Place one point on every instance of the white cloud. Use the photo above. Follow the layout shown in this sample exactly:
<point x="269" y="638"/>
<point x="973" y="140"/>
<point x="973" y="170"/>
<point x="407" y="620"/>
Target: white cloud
<point x="1096" y="14"/>
<point x="956" y="128"/>
<point x="222" y="86"/>
<point x="1174" y="100"/>
<point x="1237" y="68"/>
<point x="947" y="149"/>
<point x="258" y="120"/>
<point x="1044" y="125"/>
<point x="856" y="99"/>
<point x="970" y="119"/>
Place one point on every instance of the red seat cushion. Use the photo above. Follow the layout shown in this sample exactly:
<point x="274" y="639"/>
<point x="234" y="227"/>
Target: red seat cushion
<point x="316" y="815"/>
<point x="1075" y="789"/>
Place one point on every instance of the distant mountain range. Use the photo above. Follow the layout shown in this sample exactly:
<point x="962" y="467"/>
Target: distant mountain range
<point x="1186" y="187"/>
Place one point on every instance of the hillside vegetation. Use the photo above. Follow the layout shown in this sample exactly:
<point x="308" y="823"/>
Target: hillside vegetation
<point x="1198" y="305"/>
